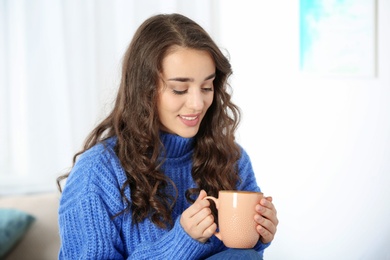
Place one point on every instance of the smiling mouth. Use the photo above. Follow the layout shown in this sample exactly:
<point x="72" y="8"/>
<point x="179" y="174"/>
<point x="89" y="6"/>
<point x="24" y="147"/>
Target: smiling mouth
<point x="189" y="118"/>
<point x="190" y="121"/>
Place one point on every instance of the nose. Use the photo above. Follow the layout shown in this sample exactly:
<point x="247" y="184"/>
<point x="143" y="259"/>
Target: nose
<point x="195" y="100"/>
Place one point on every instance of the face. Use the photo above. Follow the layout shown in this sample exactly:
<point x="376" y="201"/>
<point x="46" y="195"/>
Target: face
<point x="186" y="90"/>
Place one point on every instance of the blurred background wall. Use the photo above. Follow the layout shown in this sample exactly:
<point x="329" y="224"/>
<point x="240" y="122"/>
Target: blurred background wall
<point x="320" y="144"/>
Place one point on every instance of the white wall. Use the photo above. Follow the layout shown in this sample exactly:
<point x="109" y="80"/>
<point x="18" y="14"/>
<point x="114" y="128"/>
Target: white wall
<point x="319" y="146"/>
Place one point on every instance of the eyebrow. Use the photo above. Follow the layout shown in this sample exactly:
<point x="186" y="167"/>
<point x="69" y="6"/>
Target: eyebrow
<point x="183" y="79"/>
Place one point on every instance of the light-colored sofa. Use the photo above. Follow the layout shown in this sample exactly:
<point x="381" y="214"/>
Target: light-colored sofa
<point x="41" y="241"/>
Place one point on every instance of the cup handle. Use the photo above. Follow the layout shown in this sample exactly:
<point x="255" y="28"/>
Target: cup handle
<point x="217" y="234"/>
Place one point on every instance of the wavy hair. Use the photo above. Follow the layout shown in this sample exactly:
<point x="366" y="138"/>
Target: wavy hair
<point x="134" y="121"/>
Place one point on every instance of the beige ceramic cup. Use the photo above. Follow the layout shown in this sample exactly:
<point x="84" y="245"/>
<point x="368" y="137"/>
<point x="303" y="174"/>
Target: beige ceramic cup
<point x="236" y="223"/>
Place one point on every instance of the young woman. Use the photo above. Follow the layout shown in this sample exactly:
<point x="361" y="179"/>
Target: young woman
<point x="136" y="189"/>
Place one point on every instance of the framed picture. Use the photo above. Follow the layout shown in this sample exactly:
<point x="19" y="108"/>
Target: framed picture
<point x="338" y="37"/>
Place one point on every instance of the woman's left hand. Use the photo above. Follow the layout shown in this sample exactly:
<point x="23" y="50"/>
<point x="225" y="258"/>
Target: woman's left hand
<point x="266" y="219"/>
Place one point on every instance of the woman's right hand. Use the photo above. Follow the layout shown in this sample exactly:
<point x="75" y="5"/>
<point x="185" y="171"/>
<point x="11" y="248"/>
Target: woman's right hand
<point x="197" y="220"/>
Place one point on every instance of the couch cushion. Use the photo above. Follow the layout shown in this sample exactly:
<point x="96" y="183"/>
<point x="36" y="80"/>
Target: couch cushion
<point x="41" y="240"/>
<point x="13" y="225"/>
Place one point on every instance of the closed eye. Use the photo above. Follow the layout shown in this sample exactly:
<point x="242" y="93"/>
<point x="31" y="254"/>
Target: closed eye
<point x="208" y="89"/>
<point x="179" y="92"/>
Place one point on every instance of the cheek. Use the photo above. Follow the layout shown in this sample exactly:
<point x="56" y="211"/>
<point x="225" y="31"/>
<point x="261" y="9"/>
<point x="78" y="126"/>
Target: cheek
<point x="209" y="101"/>
<point x="168" y="103"/>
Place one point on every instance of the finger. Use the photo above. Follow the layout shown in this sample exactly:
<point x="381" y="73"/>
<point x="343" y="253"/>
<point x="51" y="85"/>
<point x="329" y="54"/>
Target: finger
<point x="210" y="230"/>
<point x="206" y="233"/>
<point x="200" y="201"/>
<point x="266" y="224"/>
<point x="194" y="215"/>
<point x="198" y="225"/>
<point x="205" y="222"/>
<point x="266" y="236"/>
<point x="266" y="207"/>
<point x="267" y="214"/>
<point x="197" y="207"/>
<point x="267" y="202"/>
<point x="201" y="215"/>
<point x="199" y="204"/>
<point x="202" y="195"/>
<point x="267" y="210"/>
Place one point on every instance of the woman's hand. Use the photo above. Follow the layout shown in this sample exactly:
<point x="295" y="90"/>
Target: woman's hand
<point x="266" y="219"/>
<point x="197" y="220"/>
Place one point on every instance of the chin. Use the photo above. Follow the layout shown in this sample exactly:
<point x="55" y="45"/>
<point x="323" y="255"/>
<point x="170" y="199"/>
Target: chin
<point x="187" y="134"/>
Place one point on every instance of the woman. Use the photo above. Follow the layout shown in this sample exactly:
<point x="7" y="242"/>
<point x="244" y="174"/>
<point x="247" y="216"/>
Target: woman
<point x="136" y="189"/>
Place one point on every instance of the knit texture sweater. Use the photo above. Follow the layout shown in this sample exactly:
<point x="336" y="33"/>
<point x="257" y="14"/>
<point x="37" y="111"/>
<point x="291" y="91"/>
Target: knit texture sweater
<point x="91" y="197"/>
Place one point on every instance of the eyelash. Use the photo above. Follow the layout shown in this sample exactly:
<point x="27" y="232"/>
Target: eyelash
<point x="176" y="92"/>
<point x="182" y="92"/>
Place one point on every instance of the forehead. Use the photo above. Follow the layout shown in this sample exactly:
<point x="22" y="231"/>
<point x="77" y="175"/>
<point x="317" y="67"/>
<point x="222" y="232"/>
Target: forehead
<point x="187" y="62"/>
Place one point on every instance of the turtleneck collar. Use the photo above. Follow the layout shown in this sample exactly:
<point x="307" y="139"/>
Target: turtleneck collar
<point x="176" y="146"/>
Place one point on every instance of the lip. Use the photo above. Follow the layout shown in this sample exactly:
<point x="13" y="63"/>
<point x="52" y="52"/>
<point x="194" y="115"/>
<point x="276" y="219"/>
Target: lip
<point x="190" y="120"/>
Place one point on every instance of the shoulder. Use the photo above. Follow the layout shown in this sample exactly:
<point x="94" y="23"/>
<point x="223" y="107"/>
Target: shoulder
<point x="102" y="152"/>
<point x="98" y="161"/>
<point x="97" y="170"/>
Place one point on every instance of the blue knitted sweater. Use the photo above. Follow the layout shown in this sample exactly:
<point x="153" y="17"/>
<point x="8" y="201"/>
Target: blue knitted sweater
<point x="91" y="196"/>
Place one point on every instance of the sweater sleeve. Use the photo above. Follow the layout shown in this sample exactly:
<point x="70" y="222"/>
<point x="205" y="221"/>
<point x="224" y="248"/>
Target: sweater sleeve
<point x="89" y="201"/>
<point x="176" y="244"/>
<point x="87" y="232"/>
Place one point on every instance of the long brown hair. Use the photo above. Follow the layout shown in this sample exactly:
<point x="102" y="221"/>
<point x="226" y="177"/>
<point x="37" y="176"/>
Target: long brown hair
<point x="135" y="123"/>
